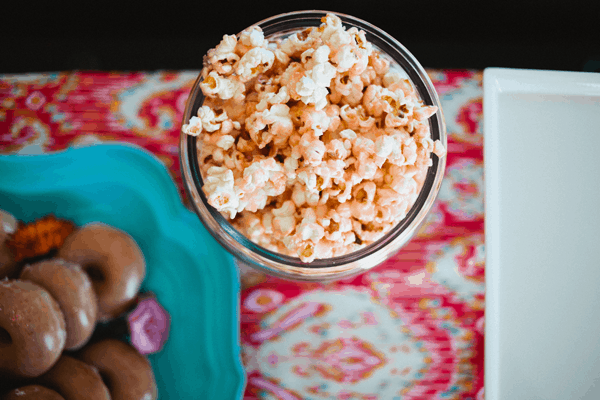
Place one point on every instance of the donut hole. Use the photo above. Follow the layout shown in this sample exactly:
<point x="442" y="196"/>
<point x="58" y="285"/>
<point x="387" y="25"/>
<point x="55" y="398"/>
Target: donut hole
<point x="5" y="338"/>
<point x="108" y="382"/>
<point x="95" y="273"/>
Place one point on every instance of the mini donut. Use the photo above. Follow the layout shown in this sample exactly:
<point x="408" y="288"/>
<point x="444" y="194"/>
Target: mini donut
<point x="72" y="289"/>
<point x="32" y="329"/>
<point x="6" y="385"/>
<point x="8" y="225"/>
<point x="32" y="392"/>
<point x="8" y="265"/>
<point x="75" y="380"/>
<point x="9" y="268"/>
<point x="127" y="374"/>
<point x="114" y="262"/>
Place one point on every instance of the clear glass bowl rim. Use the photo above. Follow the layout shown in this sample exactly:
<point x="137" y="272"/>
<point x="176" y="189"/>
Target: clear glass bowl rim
<point x="331" y="268"/>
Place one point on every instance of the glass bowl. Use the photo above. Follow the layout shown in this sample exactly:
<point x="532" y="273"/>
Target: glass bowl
<point x="353" y="263"/>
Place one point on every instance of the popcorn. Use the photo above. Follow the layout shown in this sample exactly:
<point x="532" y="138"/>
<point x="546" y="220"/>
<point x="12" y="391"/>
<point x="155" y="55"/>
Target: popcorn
<point x="350" y="88"/>
<point x="380" y="64"/>
<point x="336" y="149"/>
<point x="348" y="134"/>
<point x="409" y="151"/>
<point x="439" y="149"/>
<point x="246" y="146"/>
<point x="390" y="78"/>
<point x="291" y="77"/>
<point x="361" y="147"/>
<point x="345" y="58"/>
<point x="311" y="93"/>
<point x="264" y="126"/>
<point x="355" y="118"/>
<point x="338" y="225"/>
<point x="284" y="220"/>
<point x="384" y="146"/>
<point x="308" y="234"/>
<point x="322" y="74"/>
<point x="267" y="223"/>
<point x="317" y="121"/>
<point x="311" y="57"/>
<point x="225" y="142"/>
<point x="297" y="43"/>
<point x="318" y="148"/>
<point x="299" y="195"/>
<point x="282" y="60"/>
<point x="364" y="50"/>
<point x="265" y="175"/>
<point x="369" y="77"/>
<point x="252" y="37"/>
<point x="224" y="50"/>
<point x="370" y="232"/>
<point x="404" y="86"/>
<point x="290" y="165"/>
<point x="267" y="98"/>
<point x="378" y="100"/>
<point x="255" y="61"/>
<point x="223" y="88"/>
<point x="206" y="120"/>
<point x="333" y="26"/>
<point x="313" y="150"/>
<point x="309" y="80"/>
<point x="254" y="228"/>
<point x="424" y="113"/>
<point x="236" y="161"/>
<point x="221" y="192"/>
<point x="395" y="121"/>
<point x="222" y="57"/>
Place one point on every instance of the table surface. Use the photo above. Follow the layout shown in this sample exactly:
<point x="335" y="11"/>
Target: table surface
<point x="412" y="328"/>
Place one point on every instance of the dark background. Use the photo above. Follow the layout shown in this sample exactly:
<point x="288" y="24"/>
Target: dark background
<point x="171" y="35"/>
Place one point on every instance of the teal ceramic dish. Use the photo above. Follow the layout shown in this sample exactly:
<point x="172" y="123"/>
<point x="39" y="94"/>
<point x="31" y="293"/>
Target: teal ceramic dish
<point x="192" y="276"/>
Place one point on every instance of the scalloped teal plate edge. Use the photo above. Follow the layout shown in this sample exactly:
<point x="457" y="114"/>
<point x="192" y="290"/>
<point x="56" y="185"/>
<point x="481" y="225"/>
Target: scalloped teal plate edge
<point x="193" y="277"/>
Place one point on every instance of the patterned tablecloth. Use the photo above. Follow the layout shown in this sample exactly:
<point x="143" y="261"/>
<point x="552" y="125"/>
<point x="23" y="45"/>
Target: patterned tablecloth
<point x="411" y="328"/>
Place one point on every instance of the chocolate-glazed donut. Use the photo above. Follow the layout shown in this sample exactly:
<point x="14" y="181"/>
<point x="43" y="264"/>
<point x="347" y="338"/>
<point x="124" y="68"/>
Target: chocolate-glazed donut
<point x="9" y="268"/>
<point x="114" y="262"/>
<point x="32" y="392"/>
<point x="8" y="265"/>
<point x="127" y="374"/>
<point x="75" y="380"/>
<point x="32" y="329"/>
<point x="70" y="286"/>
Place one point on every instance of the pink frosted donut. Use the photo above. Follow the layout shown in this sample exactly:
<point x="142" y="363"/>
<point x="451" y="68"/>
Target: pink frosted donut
<point x="114" y="262"/>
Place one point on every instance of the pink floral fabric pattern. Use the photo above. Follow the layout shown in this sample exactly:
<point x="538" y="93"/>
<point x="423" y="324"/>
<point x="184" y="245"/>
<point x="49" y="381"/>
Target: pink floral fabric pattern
<point x="412" y="328"/>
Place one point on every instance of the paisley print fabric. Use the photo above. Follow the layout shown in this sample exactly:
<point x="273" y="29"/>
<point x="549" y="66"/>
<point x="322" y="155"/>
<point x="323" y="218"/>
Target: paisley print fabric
<point x="411" y="328"/>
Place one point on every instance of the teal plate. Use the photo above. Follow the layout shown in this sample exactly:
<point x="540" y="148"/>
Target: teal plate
<point x="192" y="276"/>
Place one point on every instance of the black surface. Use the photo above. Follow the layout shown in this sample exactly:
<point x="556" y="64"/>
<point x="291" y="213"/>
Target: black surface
<point x="53" y="36"/>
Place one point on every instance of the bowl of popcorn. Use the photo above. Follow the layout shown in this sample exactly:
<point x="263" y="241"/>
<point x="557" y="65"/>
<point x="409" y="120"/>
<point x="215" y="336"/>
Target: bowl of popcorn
<point x="312" y="146"/>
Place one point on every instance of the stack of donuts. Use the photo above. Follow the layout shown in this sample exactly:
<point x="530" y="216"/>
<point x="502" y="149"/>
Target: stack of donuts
<point x="48" y="312"/>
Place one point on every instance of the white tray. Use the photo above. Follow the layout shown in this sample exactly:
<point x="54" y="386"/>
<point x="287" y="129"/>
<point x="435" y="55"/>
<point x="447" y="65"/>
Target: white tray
<point x="542" y="227"/>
